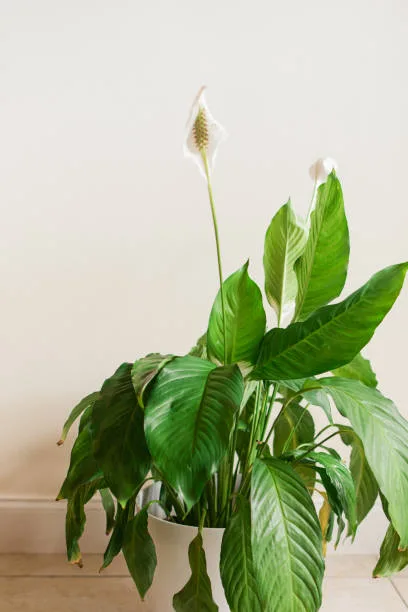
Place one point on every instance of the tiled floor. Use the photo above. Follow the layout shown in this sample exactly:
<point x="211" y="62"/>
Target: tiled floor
<point x="37" y="583"/>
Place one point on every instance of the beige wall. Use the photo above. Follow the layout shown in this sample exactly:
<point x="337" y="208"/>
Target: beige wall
<point x="105" y="238"/>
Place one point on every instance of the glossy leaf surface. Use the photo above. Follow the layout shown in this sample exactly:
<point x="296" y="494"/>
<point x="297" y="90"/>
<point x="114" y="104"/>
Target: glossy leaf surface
<point x="236" y="566"/>
<point x="286" y="539"/>
<point x="139" y="552"/>
<point x="144" y="372"/>
<point x="384" y="434"/>
<point x="119" y="442"/>
<point x="322" y="269"/>
<point x="333" y="335"/>
<point x="196" y="596"/>
<point x="245" y="321"/>
<point x="188" y="421"/>
<point x="284" y="243"/>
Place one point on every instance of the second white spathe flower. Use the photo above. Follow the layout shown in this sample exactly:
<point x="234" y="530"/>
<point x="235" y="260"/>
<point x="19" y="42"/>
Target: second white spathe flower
<point x="321" y="169"/>
<point x="203" y="135"/>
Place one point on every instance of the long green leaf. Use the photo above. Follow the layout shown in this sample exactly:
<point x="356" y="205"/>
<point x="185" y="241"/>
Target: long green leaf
<point x="392" y="560"/>
<point x="83" y="467"/>
<point x="364" y="480"/>
<point x="333" y="335"/>
<point x="123" y="515"/>
<point x="236" y="565"/>
<point x="284" y="243"/>
<point x="341" y="480"/>
<point x="245" y="321"/>
<point x="109" y="507"/>
<point x="119" y="442"/>
<point x="139" y="552"/>
<point x="384" y="434"/>
<point x="358" y="369"/>
<point x="322" y="269"/>
<point x="196" y="596"/>
<point x="76" y="412"/>
<point x="188" y="421"/>
<point x="286" y="539"/>
<point x="144" y="372"/>
<point x="76" y="518"/>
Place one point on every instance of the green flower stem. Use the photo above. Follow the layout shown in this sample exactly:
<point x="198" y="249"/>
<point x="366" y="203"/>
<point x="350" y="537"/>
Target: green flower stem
<point x="294" y="429"/>
<point x="217" y="242"/>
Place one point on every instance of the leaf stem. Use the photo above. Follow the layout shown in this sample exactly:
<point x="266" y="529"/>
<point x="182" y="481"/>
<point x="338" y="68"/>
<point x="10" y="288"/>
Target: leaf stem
<point x="217" y="243"/>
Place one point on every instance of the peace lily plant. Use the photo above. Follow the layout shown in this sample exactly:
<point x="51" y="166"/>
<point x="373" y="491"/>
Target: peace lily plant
<point x="227" y="430"/>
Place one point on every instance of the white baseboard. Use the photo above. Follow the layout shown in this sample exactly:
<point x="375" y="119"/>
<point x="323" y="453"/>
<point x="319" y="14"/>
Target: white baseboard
<point x="38" y="526"/>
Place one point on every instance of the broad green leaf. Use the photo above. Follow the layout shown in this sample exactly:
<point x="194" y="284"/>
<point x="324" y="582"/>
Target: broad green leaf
<point x="196" y="596"/>
<point x="76" y="518"/>
<point x="335" y="473"/>
<point x="236" y="565"/>
<point x="109" y="507"/>
<point x="295" y="426"/>
<point x="245" y="321"/>
<point x="284" y="243"/>
<point x="83" y="467"/>
<point x="333" y="335"/>
<point x="392" y="560"/>
<point x="364" y="481"/>
<point x="358" y="369"/>
<point x="76" y="412"/>
<point x="188" y="420"/>
<point x="286" y="539"/>
<point x="123" y="515"/>
<point x="384" y="434"/>
<point x="139" y="552"/>
<point x="322" y="269"/>
<point x="144" y="372"/>
<point x="119" y="443"/>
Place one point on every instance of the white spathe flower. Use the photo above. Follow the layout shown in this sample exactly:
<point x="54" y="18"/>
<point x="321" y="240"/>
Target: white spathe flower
<point x="203" y="134"/>
<point x="321" y="169"/>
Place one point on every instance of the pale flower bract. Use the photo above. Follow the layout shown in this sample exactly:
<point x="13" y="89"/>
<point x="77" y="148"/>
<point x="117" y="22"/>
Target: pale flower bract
<point x="321" y="169"/>
<point x="203" y="134"/>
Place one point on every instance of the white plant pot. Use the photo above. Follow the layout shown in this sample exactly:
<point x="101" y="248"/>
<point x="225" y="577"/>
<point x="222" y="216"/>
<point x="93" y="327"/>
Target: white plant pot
<point x="173" y="569"/>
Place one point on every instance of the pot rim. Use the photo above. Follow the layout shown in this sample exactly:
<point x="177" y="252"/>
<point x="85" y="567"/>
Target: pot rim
<point x="195" y="527"/>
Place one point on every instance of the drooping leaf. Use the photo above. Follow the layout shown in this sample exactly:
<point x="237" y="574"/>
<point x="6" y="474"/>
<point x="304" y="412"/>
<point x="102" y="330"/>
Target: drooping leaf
<point x="76" y="518"/>
<point x="119" y="442"/>
<point x="325" y="513"/>
<point x="322" y="269"/>
<point x="384" y="434"/>
<point x="392" y="560"/>
<point x="284" y="243"/>
<point x="340" y="478"/>
<point x="364" y="481"/>
<point x="144" y="372"/>
<point x="76" y="412"/>
<point x="196" y="596"/>
<point x="123" y="515"/>
<point x="293" y="427"/>
<point x="109" y="507"/>
<point x="83" y="467"/>
<point x="140" y="552"/>
<point x="188" y="421"/>
<point x="358" y="369"/>
<point x="333" y="335"/>
<point x="286" y="539"/>
<point x="245" y="321"/>
<point x="236" y="565"/>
